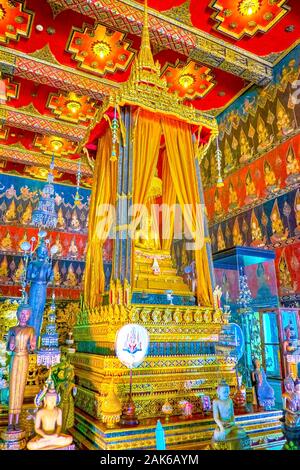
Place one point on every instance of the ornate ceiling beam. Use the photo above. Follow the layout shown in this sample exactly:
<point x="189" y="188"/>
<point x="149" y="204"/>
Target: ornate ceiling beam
<point x="30" y="119"/>
<point x="41" y="67"/>
<point x="24" y="156"/>
<point x="168" y="33"/>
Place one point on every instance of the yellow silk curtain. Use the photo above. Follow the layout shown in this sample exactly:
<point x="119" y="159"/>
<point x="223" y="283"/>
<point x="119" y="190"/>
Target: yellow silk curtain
<point x="100" y="220"/>
<point x="146" y="144"/>
<point x="168" y="200"/>
<point x="180" y="153"/>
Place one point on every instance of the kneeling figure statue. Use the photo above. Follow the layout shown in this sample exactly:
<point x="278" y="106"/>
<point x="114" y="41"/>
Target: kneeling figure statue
<point x="227" y="436"/>
<point x="48" y="422"/>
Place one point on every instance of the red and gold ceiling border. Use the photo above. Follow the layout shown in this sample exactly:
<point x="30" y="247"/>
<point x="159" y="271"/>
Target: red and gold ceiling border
<point x="170" y="34"/>
<point x="12" y="89"/>
<point x="29" y="118"/>
<point x="189" y="81"/>
<point x="100" y="50"/>
<point x="72" y="107"/>
<point x="15" y="154"/>
<point x="54" y="145"/>
<point x="15" y="21"/>
<point x="247" y="17"/>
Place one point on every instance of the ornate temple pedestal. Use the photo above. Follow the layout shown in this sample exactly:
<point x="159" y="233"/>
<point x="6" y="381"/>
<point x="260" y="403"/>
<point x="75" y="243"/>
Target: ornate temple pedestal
<point x="15" y="440"/>
<point x="181" y="362"/>
<point x="264" y="430"/>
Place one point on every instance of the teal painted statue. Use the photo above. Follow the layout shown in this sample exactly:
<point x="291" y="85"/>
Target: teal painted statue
<point x="227" y="435"/>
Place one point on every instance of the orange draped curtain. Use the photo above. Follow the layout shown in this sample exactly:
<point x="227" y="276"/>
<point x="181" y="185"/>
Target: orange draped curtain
<point x="168" y="200"/>
<point x="181" y="158"/>
<point x="147" y="134"/>
<point x="100" y="220"/>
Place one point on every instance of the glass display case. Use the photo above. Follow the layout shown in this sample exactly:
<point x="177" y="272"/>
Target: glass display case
<point x="240" y="268"/>
<point x="248" y="281"/>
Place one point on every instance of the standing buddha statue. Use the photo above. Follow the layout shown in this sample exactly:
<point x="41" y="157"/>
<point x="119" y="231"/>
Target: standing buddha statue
<point x="21" y="339"/>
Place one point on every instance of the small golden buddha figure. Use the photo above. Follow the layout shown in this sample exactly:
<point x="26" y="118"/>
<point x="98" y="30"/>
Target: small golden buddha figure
<point x="220" y="239"/>
<point x="6" y="243"/>
<point x="246" y="152"/>
<point x="75" y="224"/>
<point x="251" y="193"/>
<point x="27" y="215"/>
<point x="264" y="140"/>
<point x="48" y="422"/>
<point x="71" y="280"/>
<point x="73" y="250"/>
<point x="233" y="197"/>
<point x="270" y="178"/>
<point x="10" y="215"/>
<point x="60" y="219"/>
<point x="279" y="233"/>
<point x="218" y="205"/>
<point x="146" y="237"/>
<point x="284" y="124"/>
<point x="292" y="167"/>
<point x="236" y="233"/>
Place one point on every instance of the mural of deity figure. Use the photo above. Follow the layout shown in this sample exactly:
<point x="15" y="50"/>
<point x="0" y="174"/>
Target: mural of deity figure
<point x="71" y="280"/>
<point x="264" y="140"/>
<point x="246" y="152"/>
<point x="279" y="233"/>
<point x="61" y="224"/>
<point x="233" y="197"/>
<point x="284" y="125"/>
<point x="228" y="158"/>
<point x="39" y="274"/>
<point x="218" y="205"/>
<point x="284" y="274"/>
<point x="220" y="239"/>
<point x="264" y="290"/>
<point x="251" y="192"/>
<point x="10" y="215"/>
<point x="270" y="178"/>
<point x="27" y="215"/>
<point x="4" y="269"/>
<point x="297" y="212"/>
<point x="256" y="234"/>
<point x="59" y="246"/>
<point x="292" y="167"/>
<point x="236" y="233"/>
<point x="73" y="250"/>
<point x="19" y="273"/>
<point x="56" y="274"/>
<point x="75" y="224"/>
<point x="6" y="243"/>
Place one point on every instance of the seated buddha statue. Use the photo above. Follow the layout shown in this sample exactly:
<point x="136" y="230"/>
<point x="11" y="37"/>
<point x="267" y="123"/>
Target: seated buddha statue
<point x="145" y="237"/>
<point x="227" y="432"/>
<point x="279" y="233"/>
<point x="6" y="243"/>
<point x="48" y="423"/>
<point x="292" y="167"/>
